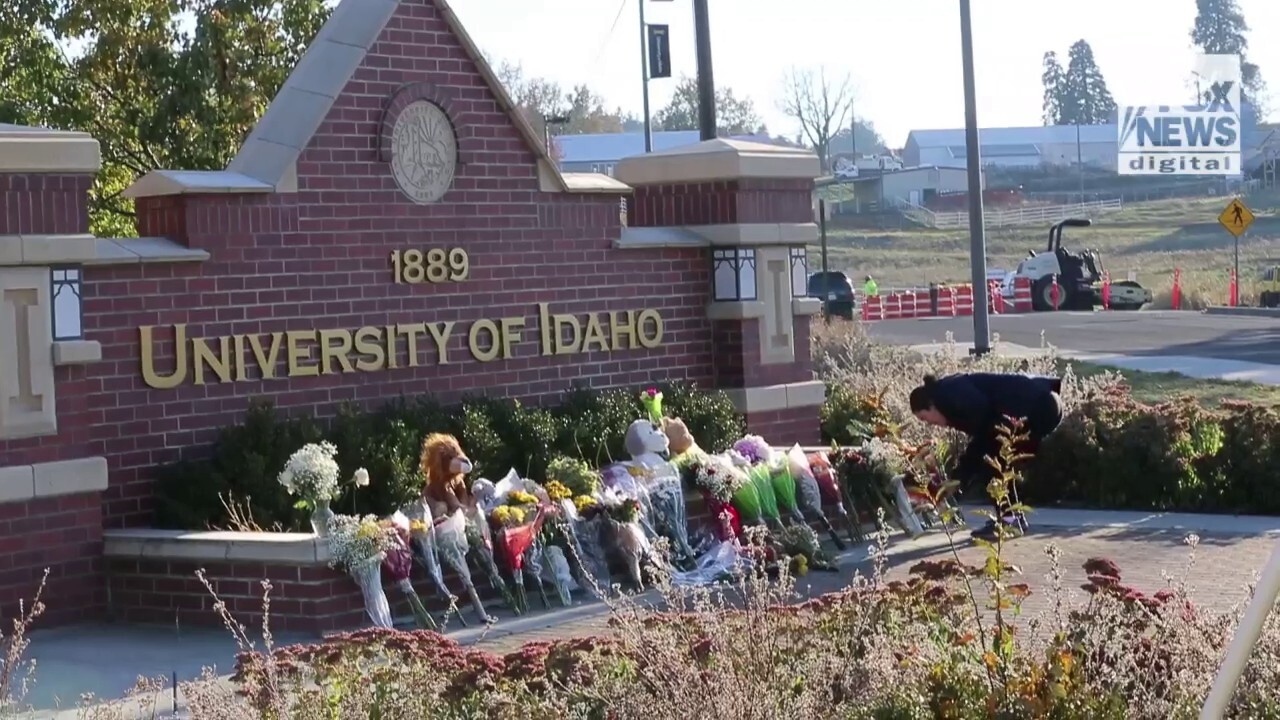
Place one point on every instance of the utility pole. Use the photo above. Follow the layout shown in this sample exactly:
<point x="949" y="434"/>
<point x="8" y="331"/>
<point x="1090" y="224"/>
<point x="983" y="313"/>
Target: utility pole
<point x="1079" y="163"/>
<point x="853" y="135"/>
<point x="644" y="78"/>
<point x="977" y="232"/>
<point x="706" y="81"/>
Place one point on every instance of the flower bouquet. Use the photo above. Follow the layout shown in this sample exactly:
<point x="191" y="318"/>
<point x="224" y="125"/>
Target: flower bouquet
<point x="825" y="474"/>
<point x="803" y="541"/>
<point x="398" y="564"/>
<point x="480" y="552"/>
<point x="518" y="526"/>
<point x="358" y="546"/>
<point x="722" y="481"/>
<point x="808" y="493"/>
<point x="651" y="399"/>
<point x="453" y="544"/>
<point x="630" y="479"/>
<point x="311" y="473"/>
<point x="784" y="487"/>
<point x="761" y="476"/>
<point x="586" y="523"/>
<point x="556" y="539"/>
<point x="890" y="464"/>
<point x="422" y="541"/>
<point x="667" y="507"/>
<point x="628" y="538"/>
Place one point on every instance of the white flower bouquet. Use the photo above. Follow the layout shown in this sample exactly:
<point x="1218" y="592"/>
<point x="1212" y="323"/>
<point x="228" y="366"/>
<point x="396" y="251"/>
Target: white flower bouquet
<point x="453" y="545"/>
<point x="667" y="508"/>
<point x="422" y="539"/>
<point x="311" y="473"/>
<point x="358" y="545"/>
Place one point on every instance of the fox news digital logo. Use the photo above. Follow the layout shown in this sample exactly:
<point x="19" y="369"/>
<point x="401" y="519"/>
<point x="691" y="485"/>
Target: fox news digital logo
<point x="1202" y="139"/>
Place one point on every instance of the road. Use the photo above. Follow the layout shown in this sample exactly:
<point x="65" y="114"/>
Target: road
<point x="1147" y="333"/>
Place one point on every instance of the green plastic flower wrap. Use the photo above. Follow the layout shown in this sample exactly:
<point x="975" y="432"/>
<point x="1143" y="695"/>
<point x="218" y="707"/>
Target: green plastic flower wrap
<point x="784" y="488"/>
<point x="651" y="399"/>
<point x="762" y="478"/>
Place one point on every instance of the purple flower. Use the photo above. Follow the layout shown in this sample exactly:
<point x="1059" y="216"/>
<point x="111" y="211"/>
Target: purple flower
<point x="754" y="449"/>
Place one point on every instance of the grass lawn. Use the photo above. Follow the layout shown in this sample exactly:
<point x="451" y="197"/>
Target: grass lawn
<point x="1149" y="239"/>
<point x="1156" y="387"/>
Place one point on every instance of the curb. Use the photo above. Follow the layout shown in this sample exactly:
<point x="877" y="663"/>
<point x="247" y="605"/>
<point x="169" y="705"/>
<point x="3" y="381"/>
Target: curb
<point x="1243" y="311"/>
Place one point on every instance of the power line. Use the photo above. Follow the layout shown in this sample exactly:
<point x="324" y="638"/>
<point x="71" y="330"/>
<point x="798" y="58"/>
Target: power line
<point x="595" y="63"/>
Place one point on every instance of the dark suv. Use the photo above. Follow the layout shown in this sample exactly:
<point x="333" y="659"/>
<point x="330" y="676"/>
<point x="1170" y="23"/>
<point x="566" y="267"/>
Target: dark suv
<point x="835" y="290"/>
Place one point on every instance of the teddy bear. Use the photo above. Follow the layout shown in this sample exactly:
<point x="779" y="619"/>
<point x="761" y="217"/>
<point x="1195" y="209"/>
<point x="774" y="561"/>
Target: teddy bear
<point x="445" y="466"/>
<point x="679" y="439"/>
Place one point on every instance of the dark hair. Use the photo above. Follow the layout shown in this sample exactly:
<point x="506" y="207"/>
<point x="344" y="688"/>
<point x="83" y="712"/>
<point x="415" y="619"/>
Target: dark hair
<point x="922" y="396"/>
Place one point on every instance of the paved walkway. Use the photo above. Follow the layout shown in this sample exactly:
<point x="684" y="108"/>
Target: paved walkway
<point x="106" y="659"/>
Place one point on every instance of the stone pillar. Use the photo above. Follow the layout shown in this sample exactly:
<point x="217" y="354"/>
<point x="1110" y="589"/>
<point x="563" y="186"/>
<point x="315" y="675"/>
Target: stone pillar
<point x="751" y="206"/>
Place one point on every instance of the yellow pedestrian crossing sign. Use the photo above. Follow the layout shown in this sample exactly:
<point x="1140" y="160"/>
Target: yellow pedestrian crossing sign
<point x="1236" y="218"/>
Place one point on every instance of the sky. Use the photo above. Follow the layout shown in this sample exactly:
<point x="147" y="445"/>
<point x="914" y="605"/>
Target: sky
<point x="903" y="55"/>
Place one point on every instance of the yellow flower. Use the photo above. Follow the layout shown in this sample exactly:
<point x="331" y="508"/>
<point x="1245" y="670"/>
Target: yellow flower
<point x="557" y="491"/>
<point x="417" y="526"/>
<point x="517" y="516"/>
<point x="582" y="502"/>
<point x="799" y="566"/>
<point x="520" y="497"/>
<point x="367" y="531"/>
<point x="502" y="514"/>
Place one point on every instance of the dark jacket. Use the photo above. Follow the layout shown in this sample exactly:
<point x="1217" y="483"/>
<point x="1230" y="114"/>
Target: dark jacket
<point x="977" y="403"/>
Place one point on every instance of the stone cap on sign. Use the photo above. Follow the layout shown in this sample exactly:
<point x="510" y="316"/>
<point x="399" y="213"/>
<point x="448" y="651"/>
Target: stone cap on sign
<point x="40" y="150"/>
<point x="304" y="549"/>
<point x="719" y="159"/>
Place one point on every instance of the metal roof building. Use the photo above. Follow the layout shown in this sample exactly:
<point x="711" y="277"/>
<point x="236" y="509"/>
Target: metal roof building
<point x="1016" y="146"/>
<point x="599" y="152"/>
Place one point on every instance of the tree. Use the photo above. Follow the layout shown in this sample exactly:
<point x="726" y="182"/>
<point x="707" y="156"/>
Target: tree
<point x="538" y="99"/>
<point x="869" y="140"/>
<point x="1078" y="95"/>
<point x="159" y="83"/>
<point x="820" y="105"/>
<point x="1219" y="30"/>
<point x="1053" y="78"/>
<point x="734" y="116"/>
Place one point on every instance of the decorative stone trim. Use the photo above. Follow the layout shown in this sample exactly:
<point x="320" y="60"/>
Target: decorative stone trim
<point x="734" y="310"/>
<point x="778" y="397"/>
<point x="46" y="249"/>
<point x="39" y="150"/>
<point x="752" y="234"/>
<point x="123" y="251"/>
<point x="647" y="238"/>
<point x="804" y="306"/>
<point x="405" y="96"/>
<point x="76" y="352"/>
<point x="595" y="183"/>
<point x="182" y="182"/>
<point x="718" y="159"/>
<point x="301" y="549"/>
<point x="19" y="483"/>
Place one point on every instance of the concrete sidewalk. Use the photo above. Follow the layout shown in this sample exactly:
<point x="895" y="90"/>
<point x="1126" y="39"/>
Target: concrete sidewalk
<point x="107" y="659"/>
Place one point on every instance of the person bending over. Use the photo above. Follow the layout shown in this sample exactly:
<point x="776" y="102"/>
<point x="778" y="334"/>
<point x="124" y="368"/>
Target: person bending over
<point x="977" y="404"/>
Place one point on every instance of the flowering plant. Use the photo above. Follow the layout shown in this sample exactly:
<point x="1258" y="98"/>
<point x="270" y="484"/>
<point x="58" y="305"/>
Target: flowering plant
<point x="514" y="542"/>
<point x="754" y="449"/>
<point x="398" y="565"/>
<point x="625" y="511"/>
<point x="311" y="473"/>
<point x="558" y="491"/>
<point x="718" y="479"/>
<point x="520" y="497"/>
<point x="651" y="399"/>
<point x="359" y="545"/>
<point x="574" y="474"/>
<point x="584" y="504"/>
<point x="507" y="516"/>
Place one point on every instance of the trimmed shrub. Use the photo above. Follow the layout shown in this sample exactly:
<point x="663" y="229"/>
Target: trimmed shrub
<point x="236" y="486"/>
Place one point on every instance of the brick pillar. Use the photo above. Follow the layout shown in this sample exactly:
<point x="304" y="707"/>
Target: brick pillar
<point x="751" y="206"/>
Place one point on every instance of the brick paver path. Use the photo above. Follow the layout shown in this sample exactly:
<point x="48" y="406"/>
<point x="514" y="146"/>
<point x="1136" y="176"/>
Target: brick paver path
<point x="1224" y="565"/>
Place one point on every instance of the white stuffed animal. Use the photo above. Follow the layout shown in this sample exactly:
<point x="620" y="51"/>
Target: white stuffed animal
<point x="484" y="492"/>
<point x="645" y="443"/>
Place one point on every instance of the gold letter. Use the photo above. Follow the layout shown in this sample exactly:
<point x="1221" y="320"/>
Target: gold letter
<point x="562" y="321"/>
<point x="367" y="344"/>
<point x="267" y="360"/>
<point x="203" y="355"/>
<point x="412" y="332"/>
<point x="149" y="375"/>
<point x="512" y="329"/>
<point x="495" y="342"/>
<point x="654" y="339"/>
<point x="441" y="336"/>
<point x="393" y="360"/>
<point x="241" y="374"/>
<point x="299" y="352"/>
<point x="594" y="334"/>
<point x="544" y="327"/>
<point x="329" y="353"/>
<point x="619" y="329"/>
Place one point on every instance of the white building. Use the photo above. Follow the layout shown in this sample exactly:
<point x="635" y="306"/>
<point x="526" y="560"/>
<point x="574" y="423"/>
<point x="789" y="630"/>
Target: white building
<point x="1060" y="145"/>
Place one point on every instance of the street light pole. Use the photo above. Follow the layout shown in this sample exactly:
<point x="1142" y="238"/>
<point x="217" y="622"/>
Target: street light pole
<point x="644" y="78"/>
<point x="706" y="81"/>
<point x="977" y="235"/>
<point x="1079" y="163"/>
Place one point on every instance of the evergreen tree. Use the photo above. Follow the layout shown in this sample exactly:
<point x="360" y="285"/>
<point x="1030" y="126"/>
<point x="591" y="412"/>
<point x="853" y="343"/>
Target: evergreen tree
<point x="1053" y="79"/>
<point x="1219" y="30"/>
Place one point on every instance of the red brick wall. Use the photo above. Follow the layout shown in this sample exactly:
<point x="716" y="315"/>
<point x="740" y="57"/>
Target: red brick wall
<point x="786" y="427"/>
<point x="44" y="204"/>
<point x="63" y="534"/>
<point x="726" y="202"/>
<point x="319" y="259"/>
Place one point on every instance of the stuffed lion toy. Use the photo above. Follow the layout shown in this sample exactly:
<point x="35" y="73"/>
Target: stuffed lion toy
<point x="445" y="467"/>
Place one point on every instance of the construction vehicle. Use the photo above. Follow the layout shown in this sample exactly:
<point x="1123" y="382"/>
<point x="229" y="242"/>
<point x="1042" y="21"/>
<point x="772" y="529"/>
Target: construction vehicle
<point x="1269" y="288"/>
<point x="1063" y="280"/>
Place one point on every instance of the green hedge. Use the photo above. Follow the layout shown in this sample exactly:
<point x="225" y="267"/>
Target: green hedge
<point x="498" y="435"/>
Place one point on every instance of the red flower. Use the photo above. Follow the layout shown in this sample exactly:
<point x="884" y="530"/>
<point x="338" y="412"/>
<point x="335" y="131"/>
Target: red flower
<point x="652" y="392"/>
<point x="720" y="513"/>
<point x="398" y="563"/>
